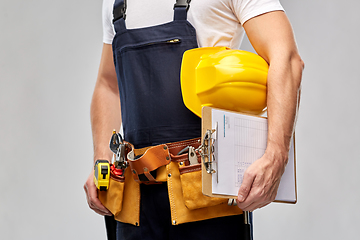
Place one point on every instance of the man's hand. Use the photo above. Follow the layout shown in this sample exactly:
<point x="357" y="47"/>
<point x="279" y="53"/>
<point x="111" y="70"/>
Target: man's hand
<point x="92" y="196"/>
<point x="261" y="182"/>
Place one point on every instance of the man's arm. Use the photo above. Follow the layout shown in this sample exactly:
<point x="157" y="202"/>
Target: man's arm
<point x="272" y="37"/>
<point x="105" y="116"/>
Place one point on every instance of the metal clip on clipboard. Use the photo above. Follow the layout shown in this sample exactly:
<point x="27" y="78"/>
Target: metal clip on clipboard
<point x="207" y="151"/>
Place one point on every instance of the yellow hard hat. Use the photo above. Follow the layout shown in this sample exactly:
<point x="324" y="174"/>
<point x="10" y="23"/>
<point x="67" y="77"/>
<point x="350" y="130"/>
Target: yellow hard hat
<point x="224" y="78"/>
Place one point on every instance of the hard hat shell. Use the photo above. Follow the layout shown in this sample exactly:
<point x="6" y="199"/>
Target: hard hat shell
<point x="224" y="78"/>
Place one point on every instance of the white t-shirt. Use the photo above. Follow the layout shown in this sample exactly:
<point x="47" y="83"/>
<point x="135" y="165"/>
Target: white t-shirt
<point x="217" y="22"/>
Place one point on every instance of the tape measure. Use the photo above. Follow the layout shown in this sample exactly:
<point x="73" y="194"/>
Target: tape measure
<point x="102" y="174"/>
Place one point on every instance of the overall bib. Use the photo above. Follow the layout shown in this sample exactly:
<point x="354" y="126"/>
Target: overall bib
<point x="147" y="63"/>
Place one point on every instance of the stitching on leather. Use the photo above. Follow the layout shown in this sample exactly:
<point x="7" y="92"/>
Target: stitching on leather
<point x="197" y="168"/>
<point x="185" y="158"/>
<point x="183" y="143"/>
<point x="172" y="146"/>
<point x="180" y="159"/>
<point x="116" y="178"/>
<point x="138" y="205"/>
<point x="172" y="203"/>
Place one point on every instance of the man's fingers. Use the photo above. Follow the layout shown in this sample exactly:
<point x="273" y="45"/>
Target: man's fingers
<point x="93" y="201"/>
<point x="243" y="205"/>
<point x="263" y="205"/>
<point x="245" y="186"/>
<point x="260" y="195"/>
<point x="97" y="208"/>
<point x="100" y="209"/>
<point x="254" y="206"/>
<point x="96" y="205"/>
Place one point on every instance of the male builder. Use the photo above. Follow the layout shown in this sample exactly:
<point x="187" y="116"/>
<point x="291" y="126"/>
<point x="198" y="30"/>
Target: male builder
<point x="140" y="64"/>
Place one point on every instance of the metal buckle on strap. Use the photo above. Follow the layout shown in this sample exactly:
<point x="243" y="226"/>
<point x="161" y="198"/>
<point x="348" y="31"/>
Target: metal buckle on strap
<point x="182" y="3"/>
<point x="119" y="12"/>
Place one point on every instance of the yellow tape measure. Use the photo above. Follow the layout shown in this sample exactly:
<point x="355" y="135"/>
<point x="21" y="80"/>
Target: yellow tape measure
<point x="102" y="174"/>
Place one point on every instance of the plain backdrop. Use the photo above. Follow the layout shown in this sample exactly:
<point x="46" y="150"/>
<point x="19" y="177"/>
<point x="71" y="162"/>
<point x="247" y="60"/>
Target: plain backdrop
<point x="49" y="57"/>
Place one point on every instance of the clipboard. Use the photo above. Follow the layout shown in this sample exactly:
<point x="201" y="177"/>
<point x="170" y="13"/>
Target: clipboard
<point x="215" y="169"/>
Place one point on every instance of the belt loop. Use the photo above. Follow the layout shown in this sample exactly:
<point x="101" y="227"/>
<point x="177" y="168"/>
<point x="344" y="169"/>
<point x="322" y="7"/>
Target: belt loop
<point x="135" y="175"/>
<point x="120" y="26"/>
<point x="149" y="176"/>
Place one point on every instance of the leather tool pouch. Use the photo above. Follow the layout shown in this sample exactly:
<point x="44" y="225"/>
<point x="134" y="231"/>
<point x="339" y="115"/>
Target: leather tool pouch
<point x="145" y="162"/>
<point x="112" y="198"/>
<point x="190" y="176"/>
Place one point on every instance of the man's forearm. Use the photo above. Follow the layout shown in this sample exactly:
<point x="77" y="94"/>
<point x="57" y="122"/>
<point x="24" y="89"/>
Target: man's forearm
<point x="105" y="111"/>
<point x="272" y="37"/>
<point x="284" y="80"/>
<point x="105" y="117"/>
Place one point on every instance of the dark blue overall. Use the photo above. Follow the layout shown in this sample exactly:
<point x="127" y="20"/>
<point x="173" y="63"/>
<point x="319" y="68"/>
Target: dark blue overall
<point x="147" y="62"/>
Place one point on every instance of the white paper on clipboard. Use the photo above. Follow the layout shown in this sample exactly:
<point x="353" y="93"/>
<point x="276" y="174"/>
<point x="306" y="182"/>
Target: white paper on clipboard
<point x="240" y="140"/>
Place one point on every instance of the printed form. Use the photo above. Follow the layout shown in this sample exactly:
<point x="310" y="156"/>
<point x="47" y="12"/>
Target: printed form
<point x="239" y="141"/>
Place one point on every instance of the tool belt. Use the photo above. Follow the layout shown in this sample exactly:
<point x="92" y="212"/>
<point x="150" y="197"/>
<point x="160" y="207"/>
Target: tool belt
<point x="148" y="166"/>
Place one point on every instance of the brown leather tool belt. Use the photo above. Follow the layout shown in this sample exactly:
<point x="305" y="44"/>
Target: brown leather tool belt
<point x="146" y="163"/>
<point x="178" y="164"/>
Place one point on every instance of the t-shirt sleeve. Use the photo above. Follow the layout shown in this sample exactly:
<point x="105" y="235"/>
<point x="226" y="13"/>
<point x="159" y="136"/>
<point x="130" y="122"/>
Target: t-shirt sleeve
<point x="108" y="28"/>
<point x="247" y="9"/>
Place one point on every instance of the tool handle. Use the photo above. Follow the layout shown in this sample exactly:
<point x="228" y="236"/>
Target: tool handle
<point x="247" y="232"/>
<point x="247" y="225"/>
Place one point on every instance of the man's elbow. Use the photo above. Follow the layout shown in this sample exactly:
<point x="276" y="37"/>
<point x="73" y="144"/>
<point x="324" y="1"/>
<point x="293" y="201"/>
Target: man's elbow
<point x="297" y="66"/>
<point x="296" y="59"/>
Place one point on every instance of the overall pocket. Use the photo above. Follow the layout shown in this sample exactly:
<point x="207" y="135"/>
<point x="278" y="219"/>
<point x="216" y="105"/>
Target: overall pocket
<point x="112" y="198"/>
<point x="192" y="189"/>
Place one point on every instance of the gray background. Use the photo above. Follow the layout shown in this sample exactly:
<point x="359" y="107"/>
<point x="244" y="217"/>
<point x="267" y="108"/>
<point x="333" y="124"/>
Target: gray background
<point x="49" y="56"/>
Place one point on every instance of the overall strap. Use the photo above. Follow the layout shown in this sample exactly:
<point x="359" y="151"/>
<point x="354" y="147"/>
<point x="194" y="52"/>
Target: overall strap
<point x="119" y="12"/>
<point x="180" y="9"/>
<point x="119" y="15"/>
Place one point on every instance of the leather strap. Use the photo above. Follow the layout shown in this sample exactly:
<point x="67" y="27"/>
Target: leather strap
<point x="151" y="159"/>
<point x="146" y="160"/>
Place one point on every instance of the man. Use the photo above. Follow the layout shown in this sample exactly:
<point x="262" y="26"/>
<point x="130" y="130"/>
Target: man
<point x="217" y="23"/>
